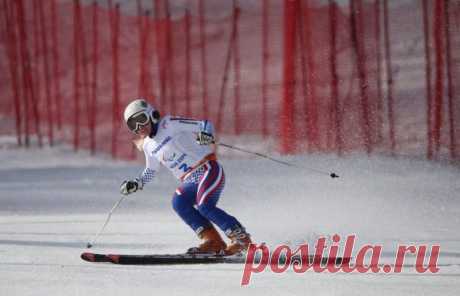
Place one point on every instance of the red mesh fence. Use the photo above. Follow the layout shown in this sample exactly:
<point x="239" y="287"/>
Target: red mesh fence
<point x="316" y="76"/>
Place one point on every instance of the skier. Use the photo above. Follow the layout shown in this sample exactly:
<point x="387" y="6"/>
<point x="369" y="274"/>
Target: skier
<point x="185" y="147"/>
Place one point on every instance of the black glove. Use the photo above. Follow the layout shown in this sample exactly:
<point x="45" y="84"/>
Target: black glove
<point x="204" y="138"/>
<point x="130" y="186"/>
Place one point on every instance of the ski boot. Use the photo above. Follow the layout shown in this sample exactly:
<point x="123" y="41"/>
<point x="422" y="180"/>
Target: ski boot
<point x="212" y="243"/>
<point x="240" y="241"/>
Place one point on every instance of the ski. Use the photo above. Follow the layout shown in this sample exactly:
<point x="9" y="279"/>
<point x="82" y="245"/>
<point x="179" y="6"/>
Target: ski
<point x="171" y="259"/>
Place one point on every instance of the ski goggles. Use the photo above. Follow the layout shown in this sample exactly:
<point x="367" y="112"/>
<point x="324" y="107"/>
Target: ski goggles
<point x="138" y="121"/>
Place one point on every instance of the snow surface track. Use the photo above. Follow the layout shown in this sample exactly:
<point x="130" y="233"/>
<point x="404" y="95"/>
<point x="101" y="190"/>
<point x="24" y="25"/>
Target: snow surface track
<point x="52" y="201"/>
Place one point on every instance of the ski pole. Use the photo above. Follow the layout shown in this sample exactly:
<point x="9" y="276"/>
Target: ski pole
<point x="93" y="241"/>
<point x="331" y="174"/>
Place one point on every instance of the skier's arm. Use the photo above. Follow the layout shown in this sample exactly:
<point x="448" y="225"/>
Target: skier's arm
<point x="151" y="168"/>
<point x="147" y="175"/>
<point x="206" y="133"/>
<point x="203" y="129"/>
<point x="184" y="124"/>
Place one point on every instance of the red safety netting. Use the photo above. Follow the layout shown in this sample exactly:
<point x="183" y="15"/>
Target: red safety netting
<point x="317" y="76"/>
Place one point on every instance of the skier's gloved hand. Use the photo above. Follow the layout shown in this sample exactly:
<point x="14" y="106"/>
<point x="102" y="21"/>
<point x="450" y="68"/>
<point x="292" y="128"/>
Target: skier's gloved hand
<point x="204" y="138"/>
<point x="130" y="186"/>
<point x="206" y="134"/>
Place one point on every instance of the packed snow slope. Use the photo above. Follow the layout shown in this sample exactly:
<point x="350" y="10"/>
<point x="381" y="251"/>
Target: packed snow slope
<point x="52" y="202"/>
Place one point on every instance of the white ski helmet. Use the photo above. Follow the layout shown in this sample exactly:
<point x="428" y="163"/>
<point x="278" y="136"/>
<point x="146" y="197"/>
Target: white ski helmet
<point x="138" y="113"/>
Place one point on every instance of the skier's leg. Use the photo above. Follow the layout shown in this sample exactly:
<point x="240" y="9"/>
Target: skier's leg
<point x="183" y="203"/>
<point x="222" y="219"/>
<point x="208" y="194"/>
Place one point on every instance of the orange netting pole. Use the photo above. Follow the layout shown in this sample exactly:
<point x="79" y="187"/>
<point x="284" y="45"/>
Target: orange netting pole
<point x="46" y="72"/>
<point x="159" y="50"/>
<point x="170" y="58"/>
<point x="426" y="26"/>
<point x="237" y="73"/>
<point x="265" y="61"/>
<point x="56" y="70"/>
<point x="378" y="39"/>
<point x="335" y="77"/>
<point x="357" y="30"/>
<point x="450" y="83"/>
<point x="204" y="65"/>
<point x="27" y="88"/>
<point x="439" y="74"/>
<point x="223" y="87"/>
<point x="188" y="64"/>
<point x="85" y="72"/>
<point x="76" y="52"/>
<point x="94" y="84"/>
<point x="312" y="94"/>
<point x="11" y="47"/>
<point x="35" y="90"/>
<point x="305" y="50"/>
<point x="389" y="74"/>
<point x="287" y="132"/>
<point x="114" y="15"/>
